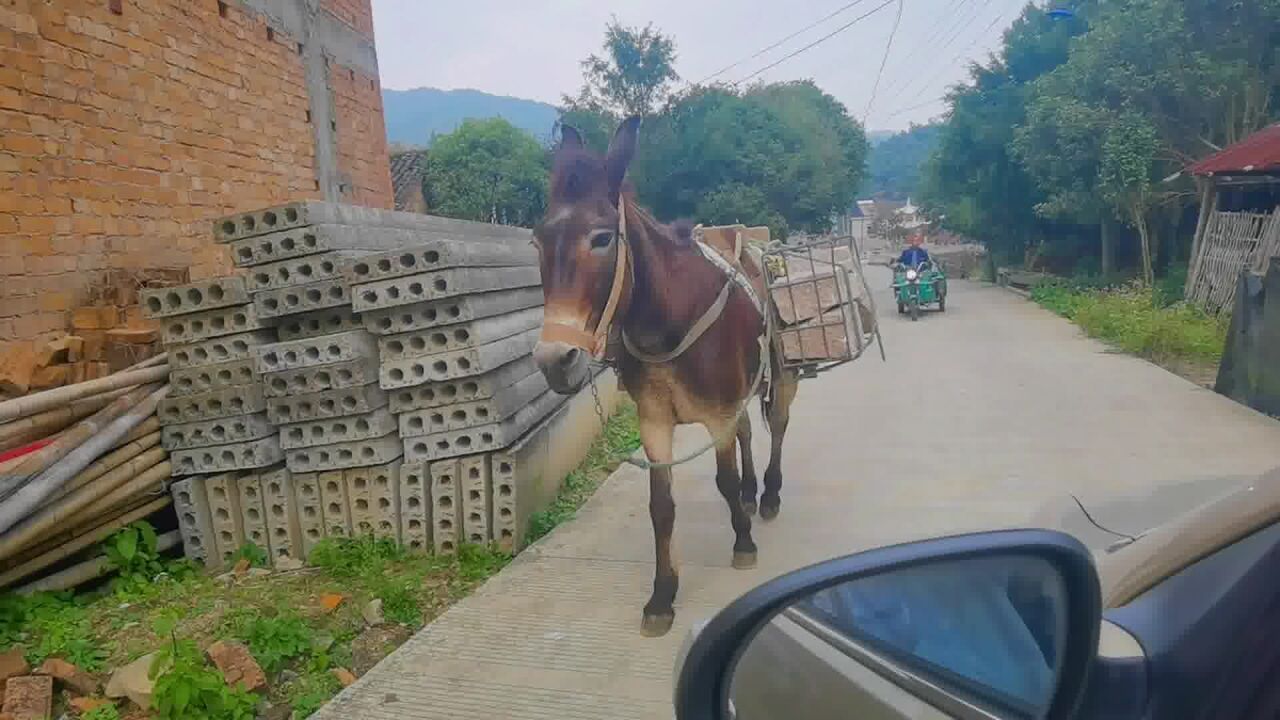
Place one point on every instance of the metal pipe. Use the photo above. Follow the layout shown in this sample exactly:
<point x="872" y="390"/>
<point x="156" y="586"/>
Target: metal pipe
<point x="75" y="545"/>
<point x="88" y="570"/>
<point x="59" y="512"/>
<point x="41" y="401"/>
<point x="27" y="498"/>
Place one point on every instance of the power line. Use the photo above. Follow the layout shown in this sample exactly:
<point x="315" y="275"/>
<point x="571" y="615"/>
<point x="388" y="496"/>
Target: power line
<point x="936" y="33"/>
<point x="951" y="64"/>
<point x="879" y="74"/>
<point x="903" y="90"/>
<point x="820" y="40"/>
<point x="762" y="51"/>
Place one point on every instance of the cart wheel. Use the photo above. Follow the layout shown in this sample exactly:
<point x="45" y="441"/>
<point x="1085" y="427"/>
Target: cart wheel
<point x="902" y="309"/>
<point x="915" y="311"/>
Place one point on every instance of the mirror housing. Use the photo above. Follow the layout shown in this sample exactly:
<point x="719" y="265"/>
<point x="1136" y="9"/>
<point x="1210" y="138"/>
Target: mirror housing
<point x="705" y="675"/>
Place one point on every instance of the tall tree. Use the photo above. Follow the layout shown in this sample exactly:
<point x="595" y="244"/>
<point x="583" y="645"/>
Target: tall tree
<point x="487" y="170"/>
<point x="635" y="74"/>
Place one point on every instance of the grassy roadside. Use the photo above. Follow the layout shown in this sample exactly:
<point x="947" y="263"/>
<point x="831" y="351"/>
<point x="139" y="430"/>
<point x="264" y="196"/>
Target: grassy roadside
<point x="1142" y="321"/>
<point x="304" y="627"/>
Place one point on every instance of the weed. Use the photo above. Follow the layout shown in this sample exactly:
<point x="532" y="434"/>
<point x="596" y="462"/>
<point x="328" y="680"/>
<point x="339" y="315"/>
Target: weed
<point x="50" y="625"/>
<point x="399" y="604"/>
<point x="620" y="438"/>
<point x="133" y="551"/>
<point x="310" y="692"/>
<point x="478" y="562"/>
<point x="186" y="687"/>
<point x="256" y="556"/>
<point x="1138" y="320"/>
<point x="354" y="557"/>
<point x="103" y="712"/>
<point x="276" y="640"/>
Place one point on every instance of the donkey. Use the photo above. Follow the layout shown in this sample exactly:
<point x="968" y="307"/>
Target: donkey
<point x="685" y="332"/>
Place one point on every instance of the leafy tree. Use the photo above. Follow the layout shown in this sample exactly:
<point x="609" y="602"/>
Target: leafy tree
<point x="786" y="155"/>
<point x="634" y="76"/>
<point x="894" y="165"/>
<point x="487" y="170"/>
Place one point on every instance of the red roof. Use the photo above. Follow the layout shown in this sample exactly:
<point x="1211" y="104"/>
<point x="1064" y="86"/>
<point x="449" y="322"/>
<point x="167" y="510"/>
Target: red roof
<point x="1258" y="153"/>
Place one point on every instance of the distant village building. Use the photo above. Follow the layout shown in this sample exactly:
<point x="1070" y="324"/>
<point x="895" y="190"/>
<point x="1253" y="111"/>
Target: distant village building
<point x="408" y="168"/>
<point x="912" y="219"/>
<point x="853" y="221"/>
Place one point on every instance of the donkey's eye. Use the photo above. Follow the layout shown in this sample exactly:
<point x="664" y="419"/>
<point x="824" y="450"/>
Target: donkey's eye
<point x="601" y="240"/>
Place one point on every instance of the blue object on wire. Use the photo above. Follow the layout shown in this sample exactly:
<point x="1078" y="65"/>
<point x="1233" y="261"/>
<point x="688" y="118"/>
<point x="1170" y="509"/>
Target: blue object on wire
<point x="1062" y="12"/>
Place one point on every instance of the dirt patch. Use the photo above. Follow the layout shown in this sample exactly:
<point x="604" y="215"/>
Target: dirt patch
<point x="369" y="647"/>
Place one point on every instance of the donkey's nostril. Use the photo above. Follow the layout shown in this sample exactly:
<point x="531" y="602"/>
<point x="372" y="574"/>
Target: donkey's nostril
<point x="570" y="357"/>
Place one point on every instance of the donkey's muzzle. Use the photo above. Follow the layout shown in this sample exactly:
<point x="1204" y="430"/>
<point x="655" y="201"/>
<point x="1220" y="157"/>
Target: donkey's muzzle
<point x="565" y="367"/>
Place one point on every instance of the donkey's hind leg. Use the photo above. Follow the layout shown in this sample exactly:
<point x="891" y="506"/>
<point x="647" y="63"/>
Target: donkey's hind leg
<point x="749" y="485"/>
<point x="779" y="416"/>
<point x="729" y="483"/>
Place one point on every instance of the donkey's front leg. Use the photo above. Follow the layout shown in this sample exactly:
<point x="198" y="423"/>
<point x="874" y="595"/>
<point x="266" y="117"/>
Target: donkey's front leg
<point x="744" y="548"/>
<point x="659" y="613"/>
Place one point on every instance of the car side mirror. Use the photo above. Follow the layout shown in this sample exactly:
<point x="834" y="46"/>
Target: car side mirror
<point x="989" y="625"/>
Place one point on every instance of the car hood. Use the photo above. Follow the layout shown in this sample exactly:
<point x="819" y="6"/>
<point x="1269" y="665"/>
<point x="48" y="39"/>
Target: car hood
<point x="1139" y="540"/>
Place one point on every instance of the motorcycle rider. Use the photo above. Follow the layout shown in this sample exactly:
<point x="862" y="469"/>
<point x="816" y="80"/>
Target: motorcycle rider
<point x="914" y="254"/>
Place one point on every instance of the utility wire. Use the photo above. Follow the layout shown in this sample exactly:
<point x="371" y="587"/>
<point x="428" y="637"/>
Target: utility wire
<point x="880" y="74"/>
<point x="952" y="63"/>
<point x="820" y="40"/>
<point x="762" y="51"/>
<point x="902" y="93"/>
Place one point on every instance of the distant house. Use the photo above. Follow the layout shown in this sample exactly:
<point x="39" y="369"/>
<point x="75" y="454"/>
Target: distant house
<point x="407" y="170"/>
<point x="853" y="221"/>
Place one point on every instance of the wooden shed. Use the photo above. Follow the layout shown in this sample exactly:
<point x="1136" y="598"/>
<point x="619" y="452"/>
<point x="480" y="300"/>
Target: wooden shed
<point x="1239" y="226"/>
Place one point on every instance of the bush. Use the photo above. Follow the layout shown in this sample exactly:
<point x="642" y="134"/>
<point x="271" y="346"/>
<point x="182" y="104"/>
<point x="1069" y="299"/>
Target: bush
<point x="1138" y="319"/>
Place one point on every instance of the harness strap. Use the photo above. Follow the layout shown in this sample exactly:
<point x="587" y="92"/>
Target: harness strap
<point x="597" y="342"/>
<point x="703" y="324"/>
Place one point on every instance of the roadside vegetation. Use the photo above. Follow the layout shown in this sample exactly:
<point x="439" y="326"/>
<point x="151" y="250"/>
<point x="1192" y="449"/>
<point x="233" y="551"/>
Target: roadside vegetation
<point x="1148" y="321"/>
<point x="310" y="630"/>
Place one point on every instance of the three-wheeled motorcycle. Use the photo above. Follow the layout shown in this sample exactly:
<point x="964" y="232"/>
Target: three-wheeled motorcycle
<point x="919" y="285"/>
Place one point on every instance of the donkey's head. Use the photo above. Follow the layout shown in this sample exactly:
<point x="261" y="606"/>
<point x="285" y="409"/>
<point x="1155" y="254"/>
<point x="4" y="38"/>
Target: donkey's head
<point x="582" y="258"/>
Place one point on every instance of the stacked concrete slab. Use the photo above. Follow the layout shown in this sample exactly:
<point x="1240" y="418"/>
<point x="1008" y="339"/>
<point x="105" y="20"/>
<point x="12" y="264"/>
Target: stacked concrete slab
<point x="382" y="366"/>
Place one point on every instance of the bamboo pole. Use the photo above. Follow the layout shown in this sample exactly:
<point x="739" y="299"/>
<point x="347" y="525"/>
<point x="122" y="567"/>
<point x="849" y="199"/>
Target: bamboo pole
<point x="148" y="426"/>
<point x="60" y="511"/>
<point x="27" y="498"/>
<point x="151" y="481"/>
<point x="41" y="401"/>
<point x="110" y="461"/>
<point x="152" y="361"/>
<point x="44" y="458"/>
<point x="75" y="545"/>
<point x="88" y="570"/>
<point x="34" y="427"/>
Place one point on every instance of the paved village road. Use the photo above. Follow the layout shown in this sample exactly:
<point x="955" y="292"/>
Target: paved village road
<point x="978" y="416"/>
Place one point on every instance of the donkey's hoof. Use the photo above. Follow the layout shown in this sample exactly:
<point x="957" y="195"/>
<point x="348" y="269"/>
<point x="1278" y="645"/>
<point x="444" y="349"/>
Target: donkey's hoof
<point x="653" y="626"/>
<point x="769" y="509"/>
<point x="744" y="560"/>
<point x="749" y="507"/>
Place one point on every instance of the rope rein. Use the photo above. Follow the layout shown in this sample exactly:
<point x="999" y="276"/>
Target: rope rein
<point x="708" y="318"/>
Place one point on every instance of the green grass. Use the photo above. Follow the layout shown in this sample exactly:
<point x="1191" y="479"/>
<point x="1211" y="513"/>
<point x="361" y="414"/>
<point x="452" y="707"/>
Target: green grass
<point x="278" y="617"/>
<point x="1140" y="320"/>
<point x="620" y="438"/>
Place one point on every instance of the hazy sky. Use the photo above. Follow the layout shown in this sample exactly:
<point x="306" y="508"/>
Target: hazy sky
<point x="532" y="48"/>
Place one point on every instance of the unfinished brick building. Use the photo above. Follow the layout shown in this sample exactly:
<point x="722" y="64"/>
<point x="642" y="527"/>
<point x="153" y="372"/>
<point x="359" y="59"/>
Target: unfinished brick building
<point x="127" y="125"/>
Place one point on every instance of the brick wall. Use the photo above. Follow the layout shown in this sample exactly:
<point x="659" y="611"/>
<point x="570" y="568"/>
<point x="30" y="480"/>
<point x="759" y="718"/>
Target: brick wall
<point x="358" y="14"/>
<point x="122" y="135"/>
<point x="362" y="152"/>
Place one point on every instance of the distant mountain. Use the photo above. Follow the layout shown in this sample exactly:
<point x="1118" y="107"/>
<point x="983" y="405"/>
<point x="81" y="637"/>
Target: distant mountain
<point x="895" y="161"/>
<point x="414" y="116"/>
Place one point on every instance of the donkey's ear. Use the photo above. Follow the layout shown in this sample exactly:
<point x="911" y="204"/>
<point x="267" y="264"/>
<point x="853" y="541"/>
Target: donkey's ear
<point x="621" y="149"/>
<point x="570" y="137"/>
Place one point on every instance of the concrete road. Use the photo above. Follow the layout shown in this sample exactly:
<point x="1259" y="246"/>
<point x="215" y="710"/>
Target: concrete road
<point x="978" y="417"/>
